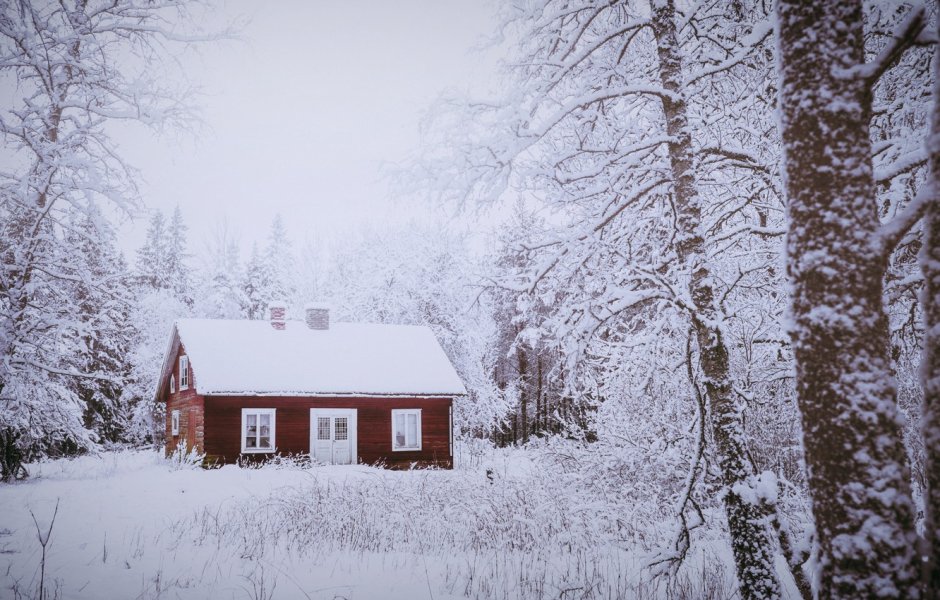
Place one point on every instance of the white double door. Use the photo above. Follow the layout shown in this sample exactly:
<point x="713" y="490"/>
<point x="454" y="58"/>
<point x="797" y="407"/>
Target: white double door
<point x="333" y="435"/>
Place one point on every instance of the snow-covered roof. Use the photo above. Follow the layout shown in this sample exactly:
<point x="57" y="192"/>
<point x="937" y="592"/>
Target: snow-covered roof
<point x="242" y="357"/>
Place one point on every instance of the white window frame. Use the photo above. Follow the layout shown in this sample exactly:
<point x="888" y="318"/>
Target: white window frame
<point x="241" y="434"/>
<point x="172" y="384"/>
<point x="184" y="373"/>
<point x="406" y="412"/>
<point x="175" y="422"/>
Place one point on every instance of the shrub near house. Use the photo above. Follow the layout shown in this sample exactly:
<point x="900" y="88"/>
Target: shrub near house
<point x="345" y="394"/>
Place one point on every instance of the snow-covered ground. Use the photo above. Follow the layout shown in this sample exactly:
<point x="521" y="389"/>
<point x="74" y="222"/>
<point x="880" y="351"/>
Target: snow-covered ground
<point x="133" y="525"/>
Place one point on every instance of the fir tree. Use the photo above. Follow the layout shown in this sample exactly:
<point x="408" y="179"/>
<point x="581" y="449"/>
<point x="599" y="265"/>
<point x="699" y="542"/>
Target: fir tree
<point x="151" y="257"/>
<point x="176" y="257"/>
<point x="253" y="286"/>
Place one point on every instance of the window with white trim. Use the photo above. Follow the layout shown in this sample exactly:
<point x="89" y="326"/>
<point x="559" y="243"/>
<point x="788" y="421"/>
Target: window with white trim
<point x="172" y="384"/>
<point x="175" y="422"/>
<point x="257" y="430"/>
<point x="184" y="372"/>
<point x="406" y="429"/>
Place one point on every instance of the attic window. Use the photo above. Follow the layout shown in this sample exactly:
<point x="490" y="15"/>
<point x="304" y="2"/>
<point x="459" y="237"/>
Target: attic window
<point x="175" y="422"/>
<point x="184" y="373"/>
<point x="172" y="384"/>
<point x="406" y="429"/>
<point x="257" y="430"/>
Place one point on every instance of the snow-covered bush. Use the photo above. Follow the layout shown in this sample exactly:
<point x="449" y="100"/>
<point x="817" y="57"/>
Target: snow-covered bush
<point x="181" y="459"/>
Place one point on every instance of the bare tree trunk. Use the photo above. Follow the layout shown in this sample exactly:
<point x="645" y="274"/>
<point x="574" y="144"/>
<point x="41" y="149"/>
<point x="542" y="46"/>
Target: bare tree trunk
<point x="930" y="369"/>
<point x="751" y="539"/>
<point x="523" y="365"/>
<point x="857" y="467"/>
<point x="539" y="400"/>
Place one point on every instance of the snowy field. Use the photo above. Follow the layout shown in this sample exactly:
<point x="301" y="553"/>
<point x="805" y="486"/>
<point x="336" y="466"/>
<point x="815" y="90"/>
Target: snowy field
<point x="134" y="525"/>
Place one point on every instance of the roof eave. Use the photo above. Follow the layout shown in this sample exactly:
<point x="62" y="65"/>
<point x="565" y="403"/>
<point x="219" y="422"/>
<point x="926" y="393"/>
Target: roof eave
<point x="243" y="394"/>
<point x="167" y="363"/>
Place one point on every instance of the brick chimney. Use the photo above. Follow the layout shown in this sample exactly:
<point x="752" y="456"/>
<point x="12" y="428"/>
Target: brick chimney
<point x="318" y="315"/>
<point x="278" y="312"/>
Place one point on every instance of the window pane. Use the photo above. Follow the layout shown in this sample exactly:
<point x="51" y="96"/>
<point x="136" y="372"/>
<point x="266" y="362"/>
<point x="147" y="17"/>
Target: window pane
<point x="399" y="430"/>
<point x="341" y="428"/>
<point x="323" y="428"/>
<point x="265" y="442"/>
<point x="250" y="442"/>
<point x="412" y="430"/>
<point x="265" y="421"/>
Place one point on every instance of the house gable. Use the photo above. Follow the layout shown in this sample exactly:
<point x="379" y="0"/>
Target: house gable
<point x="185" y="407"/>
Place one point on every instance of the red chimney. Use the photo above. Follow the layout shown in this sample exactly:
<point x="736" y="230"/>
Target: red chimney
<point x="318" y="315"/>
<point x="278" y="315"/>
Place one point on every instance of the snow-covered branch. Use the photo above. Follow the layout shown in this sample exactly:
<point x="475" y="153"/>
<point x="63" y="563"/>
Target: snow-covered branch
<point x="905" y="36"/>
<point x="890" y="234"/>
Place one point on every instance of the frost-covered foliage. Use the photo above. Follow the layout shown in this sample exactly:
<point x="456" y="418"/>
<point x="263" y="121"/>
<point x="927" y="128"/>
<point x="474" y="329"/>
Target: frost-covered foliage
<point x="73" y="68"/>
<point x="222" y="294"/>
<point x="642" y="142"/>
<point x="544" y="520"/>
<point x="626" y="324"/>
<point x="555" y="517"/>
<point x="152" y="315"/>
<point x="270" y="275"/>
<point x="163" y="291"/>
<point x="646" y="147"/>
<point x="424" y="275"/>
<point x="162" y="260"/>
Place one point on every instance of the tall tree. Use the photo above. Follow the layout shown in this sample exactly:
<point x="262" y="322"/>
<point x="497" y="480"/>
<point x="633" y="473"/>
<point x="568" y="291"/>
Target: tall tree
<point x="644" y="131"/>
<point x="162" y="260"/>
<point x="177" y="256"/>
<point x="70" y="63"/>
<point x="271" y="274"/>
<point x="750" y="538"/>
<point x="103" y="296"/>
<point x="221" y="295"/>
<point x="930" y="369"/>
<point x="151" y="256"/>
<point x="857" y="466"/>
<point x="253" y="286"/>
<point x="527" y="366"/>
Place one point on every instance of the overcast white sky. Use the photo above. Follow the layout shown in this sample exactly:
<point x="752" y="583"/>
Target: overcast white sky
<point x="301" y="114"/>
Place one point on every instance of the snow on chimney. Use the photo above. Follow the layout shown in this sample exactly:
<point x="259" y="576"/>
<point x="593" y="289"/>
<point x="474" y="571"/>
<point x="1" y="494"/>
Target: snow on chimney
<point x="278" y="315"/>
<point x="318" y="315"/>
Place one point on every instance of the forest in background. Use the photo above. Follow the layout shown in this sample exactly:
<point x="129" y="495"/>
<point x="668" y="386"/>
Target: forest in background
<point x="716" y="289"/>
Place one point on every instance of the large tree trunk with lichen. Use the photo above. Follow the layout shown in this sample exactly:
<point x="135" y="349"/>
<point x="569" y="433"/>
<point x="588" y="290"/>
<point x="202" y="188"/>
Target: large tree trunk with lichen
<point x="857" y="468"/>
<point x="751" y="539"/>
<point x="930" y="369"/>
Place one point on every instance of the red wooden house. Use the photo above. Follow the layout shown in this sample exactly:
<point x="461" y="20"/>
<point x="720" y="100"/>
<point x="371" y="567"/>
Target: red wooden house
<point x="346" y="393"/>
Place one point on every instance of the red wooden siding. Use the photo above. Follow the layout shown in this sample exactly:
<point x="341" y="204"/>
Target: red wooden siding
<point x="292" y="429"/>
<point x="192" y="411"/>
